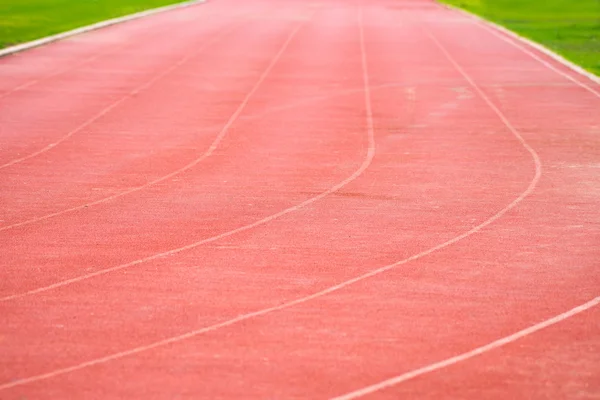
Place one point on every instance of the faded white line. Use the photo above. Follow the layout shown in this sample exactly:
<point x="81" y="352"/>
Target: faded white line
<point x="408" y="375"/>
<point x="98" y="25"/>
<point x="206" y="154"/>
<point x="495" y="30"/>
<point x="330" y="289"/>
<point x="118" y="102"/>
<point x="85" y="61"/>
<point x="211" y="149"/>
<point x="469" y="354"/>
<point x="500" y="342"/>
<point x="365" y="164"/>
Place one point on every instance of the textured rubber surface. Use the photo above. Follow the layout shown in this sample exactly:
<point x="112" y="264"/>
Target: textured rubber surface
<point x="299" y="199"/>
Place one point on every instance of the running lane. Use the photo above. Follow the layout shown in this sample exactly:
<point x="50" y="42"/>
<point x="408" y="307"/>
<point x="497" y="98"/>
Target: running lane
<point x="398" y="142"/>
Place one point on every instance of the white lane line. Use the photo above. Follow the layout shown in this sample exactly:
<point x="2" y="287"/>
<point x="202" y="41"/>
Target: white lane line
<point x="400" y="378"/>
<point x="98" y="25"/>
<point x="202" y="157"/>
<point x="56" y="73"/>
<point x="367" y="161"/>
<point x="500" y="114"/>
<point x="211" y="149"/>
<point x="497" y="343"/>
<point x="195" y="162"/>
<point x="300" y="103"/>
<point x="118" y="102"/>
<point x="469" y="354"/>
<point x="313" y="296"/>
<point x="509" y="36"/>
<point x="87" y="60"/>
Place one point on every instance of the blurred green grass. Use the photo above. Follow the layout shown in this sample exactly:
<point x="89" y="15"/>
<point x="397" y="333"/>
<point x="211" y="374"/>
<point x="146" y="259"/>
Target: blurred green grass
<point x="569" y="27"/>
<point x="25" y="20"/>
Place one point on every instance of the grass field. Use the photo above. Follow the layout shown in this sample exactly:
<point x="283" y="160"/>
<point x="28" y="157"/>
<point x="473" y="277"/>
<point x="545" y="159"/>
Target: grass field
<point x="569" y="27"/>
<point x="25" y="20"/>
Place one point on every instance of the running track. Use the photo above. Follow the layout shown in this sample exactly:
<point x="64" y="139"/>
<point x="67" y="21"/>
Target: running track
<point x="298" y="199"/>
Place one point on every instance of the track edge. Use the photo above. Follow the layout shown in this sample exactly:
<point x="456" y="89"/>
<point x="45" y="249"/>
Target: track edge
<point x="537" y="46"/>
<point x="95" y="26"/>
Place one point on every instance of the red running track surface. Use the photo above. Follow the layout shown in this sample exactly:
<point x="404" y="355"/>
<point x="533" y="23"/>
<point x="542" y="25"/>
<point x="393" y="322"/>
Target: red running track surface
<point x="298" y="199"/>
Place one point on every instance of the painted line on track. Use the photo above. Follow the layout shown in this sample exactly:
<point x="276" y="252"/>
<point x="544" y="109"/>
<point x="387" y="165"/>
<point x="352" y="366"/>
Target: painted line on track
<point x="98" y="25"/>
<point x="509" y="36"/>
<point x="432" y="367"/>
<point x="205" y="155"/>
<point x="32" y="82"/>
<point x="84" y="62"/>
<point x="330" y="289"/>
<point x="86" y="206"/>
<point x="211" y="149"/>
<point x="499" y="342"/>
<point x="469" y="354"/>
<point x="122" y="99"/>
<point x="365" y="164"/>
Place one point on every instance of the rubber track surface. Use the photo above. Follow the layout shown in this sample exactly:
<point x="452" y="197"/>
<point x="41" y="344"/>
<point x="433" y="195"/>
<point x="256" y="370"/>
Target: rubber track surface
<point x="298" y="199"/>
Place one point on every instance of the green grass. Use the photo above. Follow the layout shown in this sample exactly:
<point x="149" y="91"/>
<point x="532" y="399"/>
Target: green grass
<point x="25" y="20"/>
<point x="569" y="27"/>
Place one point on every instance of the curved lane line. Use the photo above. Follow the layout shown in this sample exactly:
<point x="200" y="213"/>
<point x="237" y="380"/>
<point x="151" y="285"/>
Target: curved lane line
<point x="344" y="284"/>
<point x="95" y="56"/>
<point x="214" y="145"/>
<point x="509" y="37"/>
<point x="325" y="291"/>
<point x="469" y="354"/>
<point x="121" y="100"/>
<point x="492" y="345"/>
<point x="222" y="134"/>
<point x="91" y="58"/>
<point x="95" y="26"/>
<point x="365" y="164"/>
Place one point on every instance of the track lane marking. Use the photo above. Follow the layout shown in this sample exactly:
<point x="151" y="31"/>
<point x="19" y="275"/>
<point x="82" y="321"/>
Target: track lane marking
<point x="194" y="162"/>
<point x="95" y="26"/>
<point x="370" y="154"/>
<point x="211" y="149"/>
<point x="542" y="61"/>
<point x="203" y="156"/>
<point x="469" y="354"/>
<point x="499" y="342"/>
<point x="331" y="289"/>
<point x="122" y="99"/>
<point x="87" y="60"/>
<point x="509" y="37"/>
